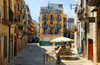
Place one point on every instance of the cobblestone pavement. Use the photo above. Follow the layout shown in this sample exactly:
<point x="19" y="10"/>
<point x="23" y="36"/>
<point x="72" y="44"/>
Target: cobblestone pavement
<point x="32" y="55"/>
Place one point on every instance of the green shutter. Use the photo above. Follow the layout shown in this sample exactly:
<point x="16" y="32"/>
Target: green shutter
<point x="82" y="34"/>
<point x="58" y="23"/>
<point x="18" y="6"/>
<point x="44" y="16"/>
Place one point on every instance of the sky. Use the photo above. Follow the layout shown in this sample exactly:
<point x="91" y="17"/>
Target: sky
<point x="34" y="6"/>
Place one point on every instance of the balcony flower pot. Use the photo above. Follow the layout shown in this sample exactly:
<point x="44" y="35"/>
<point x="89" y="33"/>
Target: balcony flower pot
<point x="20" y="12"/>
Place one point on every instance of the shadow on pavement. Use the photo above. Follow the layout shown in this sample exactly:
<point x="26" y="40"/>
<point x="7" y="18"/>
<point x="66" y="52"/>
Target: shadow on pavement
<point x="73" y="54"/>
<point x="32" y="55"/>
<point x="70" y="58"/>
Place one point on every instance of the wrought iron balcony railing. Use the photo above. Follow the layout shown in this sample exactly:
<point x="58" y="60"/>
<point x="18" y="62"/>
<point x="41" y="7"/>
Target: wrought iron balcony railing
<point x="52" y="26"/>
<point x="20" y="27"/>
<point x="16" y="21"/>
<point x="58" y="18"/>
<point x="7" y="15"/>
<point x="45" y="19"/>
<point x="45" y="26"/>
<point x="80" y="13"/>
<point x="58" y="26"/>
<point x="51" y="18"/>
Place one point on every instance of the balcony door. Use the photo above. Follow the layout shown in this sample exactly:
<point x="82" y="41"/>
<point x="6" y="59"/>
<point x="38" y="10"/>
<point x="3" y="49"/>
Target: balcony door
<point x="51" y="16"/>
<point x="57" y="16"/>
<point x="15" y="48"/>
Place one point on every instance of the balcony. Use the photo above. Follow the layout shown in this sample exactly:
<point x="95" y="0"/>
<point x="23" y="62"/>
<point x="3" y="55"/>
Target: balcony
<point x="76" y="10"/>
<point x="24" y="32"/>
<point x="57" y="32"/>
<point x="29" y="28"/>
<point x="64" y="19"/>
<point x="29" y="33"/>
<point x="51" y="18"/>
<point x="93" y="2"/>
<point x="45" y="26"/>
<point x="7" y="15"/>
<point x="20" y="27"/>
<point x="52" y="26"/>
<point x="16" y="21"/>
<point x="45" y="19"/>
<point x="24" y="24"/>
<point x="58" y="26"/>
<point x="80" y="14"/>
<point x="58" y="18"/>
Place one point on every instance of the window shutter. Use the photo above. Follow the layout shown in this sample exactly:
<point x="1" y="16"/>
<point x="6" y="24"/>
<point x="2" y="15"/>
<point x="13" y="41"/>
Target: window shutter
<point x="5" y="46"/>
<point x="19" y="18"/>
<point x="18" y="6"/>
<point x="44" y="16"/>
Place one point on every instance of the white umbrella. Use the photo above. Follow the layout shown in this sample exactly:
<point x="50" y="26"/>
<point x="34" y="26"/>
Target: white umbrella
<point x="62" y="39"/>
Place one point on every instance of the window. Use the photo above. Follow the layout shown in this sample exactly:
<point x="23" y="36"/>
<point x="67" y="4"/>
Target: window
<point x="51" y="31"/>
<point x="57" y="16"/>
<point x="18" y="7"/>
<point x="51" y="22"/>
<point x="45" y="31"/>
<point x="51" y="16"/>
<point x="44" y="16"/>
<point x="5" y="46"/>
<point x="64" y="19"/>
<point x="44" y="22"/>
<point x="58" y="23"/>
<point x="19" y="18"/>
<point x="64" y="26"/>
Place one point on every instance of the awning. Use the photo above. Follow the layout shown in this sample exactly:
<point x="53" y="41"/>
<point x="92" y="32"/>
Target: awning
<point x="62" y="39"/>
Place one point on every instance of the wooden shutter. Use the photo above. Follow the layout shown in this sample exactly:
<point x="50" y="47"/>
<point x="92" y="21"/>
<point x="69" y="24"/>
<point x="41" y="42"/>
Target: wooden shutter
<point x="5" y="46"/>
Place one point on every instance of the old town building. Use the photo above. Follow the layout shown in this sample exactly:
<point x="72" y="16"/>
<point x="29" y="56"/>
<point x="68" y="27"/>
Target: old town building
<point x="87" y="29"/>
<point x="51" y="23"/>
<point x="13" y="29"/>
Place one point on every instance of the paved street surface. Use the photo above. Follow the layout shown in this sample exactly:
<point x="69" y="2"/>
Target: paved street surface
<point x="33" y="55"/>
<point x="71" y="60"/>
<point x="74" y="59"/>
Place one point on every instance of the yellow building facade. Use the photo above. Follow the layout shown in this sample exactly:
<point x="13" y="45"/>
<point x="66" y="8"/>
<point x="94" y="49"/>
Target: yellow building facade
<point x="51" y="23"/>
<point x="6" y="11"/>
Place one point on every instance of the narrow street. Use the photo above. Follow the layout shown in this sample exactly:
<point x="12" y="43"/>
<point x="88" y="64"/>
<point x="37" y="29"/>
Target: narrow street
<point x="33" y="55"/>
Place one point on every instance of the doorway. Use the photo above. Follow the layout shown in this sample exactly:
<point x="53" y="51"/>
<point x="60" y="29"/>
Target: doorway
<point x="90" y="49"/>
<point x="11" y="47"/>
<point x="15" y="46"/>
